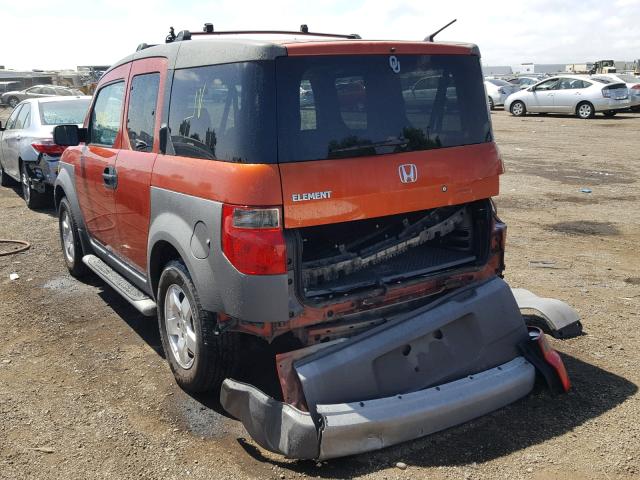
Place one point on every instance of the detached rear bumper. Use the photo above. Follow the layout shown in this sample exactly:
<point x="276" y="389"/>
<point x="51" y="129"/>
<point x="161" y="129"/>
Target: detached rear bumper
<point x="356" y="427"/>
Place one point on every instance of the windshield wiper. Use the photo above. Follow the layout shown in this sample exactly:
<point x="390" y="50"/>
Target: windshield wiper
<point x="398" y="142"/>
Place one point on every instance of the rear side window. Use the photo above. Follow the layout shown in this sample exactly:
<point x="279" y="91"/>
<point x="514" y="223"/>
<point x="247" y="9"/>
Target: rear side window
<point x="347" y="106"/>
<point x="106" y="114"/>
<point x="224" y="112"/>
<point x="141" y="116"/>
<point x="65" y="111"/>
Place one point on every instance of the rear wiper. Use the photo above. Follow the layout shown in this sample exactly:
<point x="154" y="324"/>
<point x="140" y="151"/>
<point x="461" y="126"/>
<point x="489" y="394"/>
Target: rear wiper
<point x="397" y="142"/>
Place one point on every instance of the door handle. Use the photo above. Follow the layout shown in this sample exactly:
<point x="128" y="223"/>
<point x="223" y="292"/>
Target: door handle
<point x="110" y="178"/>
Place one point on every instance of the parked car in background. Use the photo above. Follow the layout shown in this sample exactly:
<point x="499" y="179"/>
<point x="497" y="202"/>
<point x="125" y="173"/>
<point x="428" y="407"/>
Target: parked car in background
<point x="27" y="151"/>
<point x="497" y="91"/>
<point x="573" y="94"/>
<point x="632" y="82"/>
<point x="13" y="98"/>
<point x="524" y="82"/>
<point x="9" y="86"/>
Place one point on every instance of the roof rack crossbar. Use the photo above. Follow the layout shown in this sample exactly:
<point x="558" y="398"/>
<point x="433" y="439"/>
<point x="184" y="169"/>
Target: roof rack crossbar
<point x="304" y="30"/>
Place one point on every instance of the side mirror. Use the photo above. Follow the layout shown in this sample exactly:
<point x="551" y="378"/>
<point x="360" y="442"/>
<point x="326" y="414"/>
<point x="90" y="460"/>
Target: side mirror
<point x="1" y="127"/>
<point x="69" y="135"/>
<point x="531" y="89"/>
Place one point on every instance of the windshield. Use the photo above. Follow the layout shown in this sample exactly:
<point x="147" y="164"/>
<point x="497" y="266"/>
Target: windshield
<point x="65" y="111"/>
<point x="347" y="106"/>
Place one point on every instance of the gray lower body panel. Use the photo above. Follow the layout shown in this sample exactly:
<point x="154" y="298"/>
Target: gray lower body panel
<point x="357" y="427"/>
<point x="468" y="331"/>
<point x="418" y="373"/>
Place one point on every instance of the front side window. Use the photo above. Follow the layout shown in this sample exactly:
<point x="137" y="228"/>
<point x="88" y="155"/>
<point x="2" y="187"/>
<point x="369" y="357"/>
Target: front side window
<point x="141" y="116"/>
<point x="34" y="90"/>
<point x="552" y="84"/>
<point x="48" y="91"/>
<point x="355" y="105"/>
<point x="224" y="112"/>
<point x="106" y="115"/>
<point x="12" y="118"/>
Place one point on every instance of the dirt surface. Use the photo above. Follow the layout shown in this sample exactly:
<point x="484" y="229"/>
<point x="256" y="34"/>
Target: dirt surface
<point x="85" y="391"/>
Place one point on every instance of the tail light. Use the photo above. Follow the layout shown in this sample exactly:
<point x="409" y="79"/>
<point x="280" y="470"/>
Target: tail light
<point x="253" y="241"/>
<point x="606" y="93"/>
<point x="636" y="87"/>
<point x="48" y="147"/>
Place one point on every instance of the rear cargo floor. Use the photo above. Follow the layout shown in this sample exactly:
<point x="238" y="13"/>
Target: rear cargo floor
<point x="414" y="262"/>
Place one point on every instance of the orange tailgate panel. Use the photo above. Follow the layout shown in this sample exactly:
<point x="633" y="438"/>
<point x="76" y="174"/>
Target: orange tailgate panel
<point x="367" y="187"/>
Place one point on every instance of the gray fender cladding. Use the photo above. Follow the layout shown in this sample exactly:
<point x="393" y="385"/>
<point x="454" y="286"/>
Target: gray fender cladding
<point x="465" y="332"/>
<point x="274" y="425"/>
<point x="358" y="427"/>
<point x="562" y="320"/>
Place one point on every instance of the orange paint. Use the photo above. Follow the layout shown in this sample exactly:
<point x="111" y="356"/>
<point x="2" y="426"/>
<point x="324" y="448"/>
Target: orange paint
<point x="237" y="183"/>
<point x="368" y="187"/>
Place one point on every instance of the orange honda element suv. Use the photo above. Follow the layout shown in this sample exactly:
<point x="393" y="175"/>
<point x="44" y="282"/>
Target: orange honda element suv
<point x="321" y="195"/>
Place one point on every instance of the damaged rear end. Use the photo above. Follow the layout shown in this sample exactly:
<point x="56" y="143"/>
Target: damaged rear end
<point x="394" y="253"/>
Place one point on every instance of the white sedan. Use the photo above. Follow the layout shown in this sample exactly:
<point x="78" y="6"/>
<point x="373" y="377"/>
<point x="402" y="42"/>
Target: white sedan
<point x="571" y="94"/>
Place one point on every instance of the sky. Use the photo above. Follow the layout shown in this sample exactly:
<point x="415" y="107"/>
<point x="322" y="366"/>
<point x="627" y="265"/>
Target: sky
<point x="63" y="33"/>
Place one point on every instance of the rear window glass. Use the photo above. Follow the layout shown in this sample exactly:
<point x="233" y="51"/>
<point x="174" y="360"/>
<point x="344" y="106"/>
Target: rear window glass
<point x="499" y="83"/>
<point x="347" y="106"/>
<point x="320" y="107"/>
<point x="224" y="112"/>
<point x="63" y="112"/>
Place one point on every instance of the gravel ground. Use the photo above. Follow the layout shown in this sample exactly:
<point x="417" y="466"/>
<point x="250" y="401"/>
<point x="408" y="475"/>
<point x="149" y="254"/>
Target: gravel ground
<point x="85" y="391"/>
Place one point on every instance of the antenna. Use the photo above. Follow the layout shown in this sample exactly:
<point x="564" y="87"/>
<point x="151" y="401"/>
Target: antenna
<point x="433" y="35"/>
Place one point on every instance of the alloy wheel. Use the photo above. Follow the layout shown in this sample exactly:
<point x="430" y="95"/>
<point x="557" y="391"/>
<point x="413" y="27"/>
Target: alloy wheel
<point x="179" y="323"/>
<point x="68" y="243"/>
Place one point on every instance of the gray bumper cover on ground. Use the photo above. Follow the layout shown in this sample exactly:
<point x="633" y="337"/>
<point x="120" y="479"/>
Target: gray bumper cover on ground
<point x="357" y="427"/>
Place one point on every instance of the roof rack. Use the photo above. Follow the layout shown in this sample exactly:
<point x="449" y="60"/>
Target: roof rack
<point x="208" y="30"/>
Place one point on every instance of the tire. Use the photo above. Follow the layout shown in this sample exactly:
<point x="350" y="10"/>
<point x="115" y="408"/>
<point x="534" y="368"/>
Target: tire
<point x="13" y="101"/>
<point x="70" y="240"/>
<point x="491" y="104"/>
<point x="32" y="198"/>
<point x="199" y="359"/>
<point x="609" y="113"/>
<point x="5" y="180"/>
<point x="518" y="109"/>
<point x="585" y="110"/>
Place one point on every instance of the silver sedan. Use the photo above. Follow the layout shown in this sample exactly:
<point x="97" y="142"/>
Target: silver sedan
<point x="27" y="152"/>
<point x="573" y="94"/>
<point x="38" y="91"/>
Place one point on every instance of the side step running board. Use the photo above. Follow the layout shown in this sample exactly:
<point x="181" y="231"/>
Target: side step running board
<point x="135" y="297"/>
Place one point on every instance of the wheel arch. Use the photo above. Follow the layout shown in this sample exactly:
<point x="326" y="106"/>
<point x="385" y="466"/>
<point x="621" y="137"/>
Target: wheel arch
<point x="162" y="252"/>
<point x="582" y="102"/>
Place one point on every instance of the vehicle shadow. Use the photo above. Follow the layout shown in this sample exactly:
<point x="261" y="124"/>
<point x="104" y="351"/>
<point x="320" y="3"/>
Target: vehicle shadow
<point x="258" y="369"/>
<point x="537" y="418"/>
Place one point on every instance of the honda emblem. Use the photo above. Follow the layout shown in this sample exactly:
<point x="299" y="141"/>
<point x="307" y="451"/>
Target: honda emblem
<point x="408" y="173"/>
